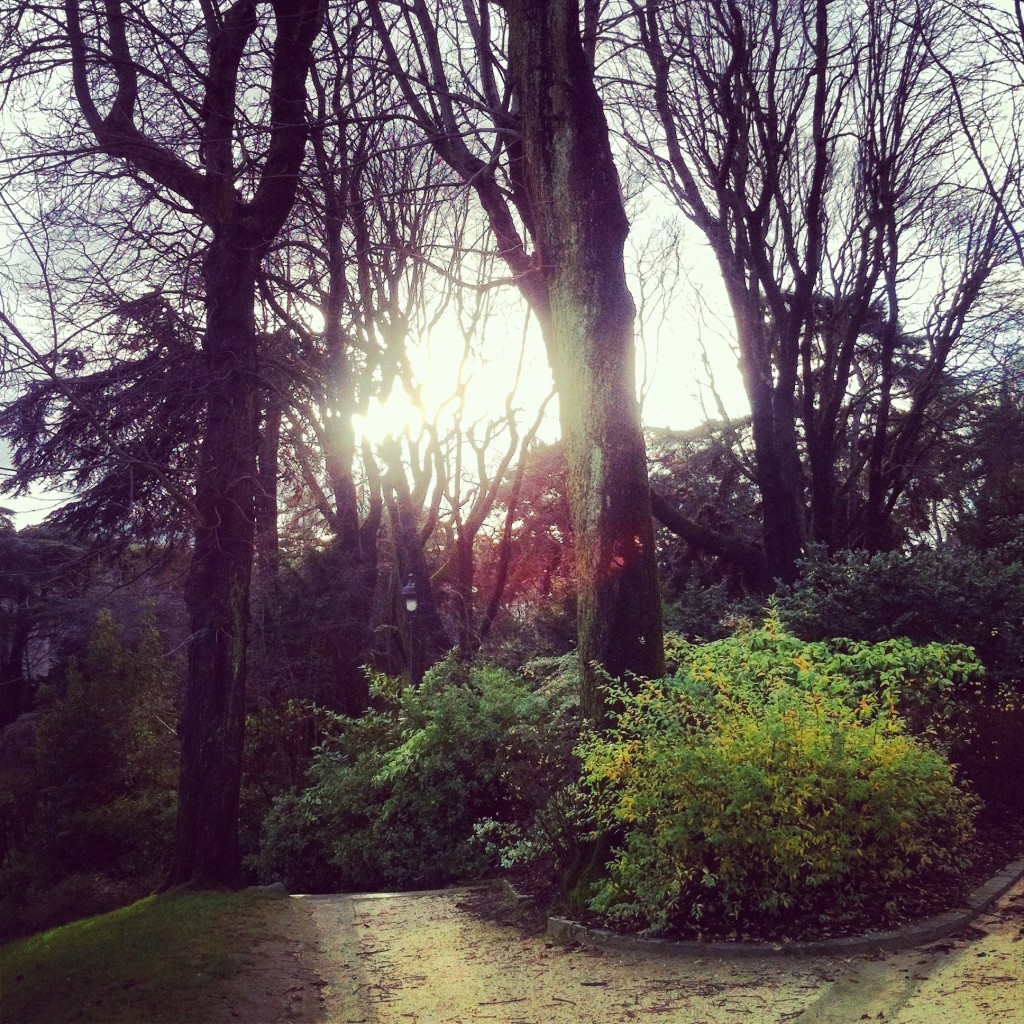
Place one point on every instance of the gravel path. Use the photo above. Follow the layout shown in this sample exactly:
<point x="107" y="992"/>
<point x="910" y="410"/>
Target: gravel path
<point x="419" y="957"/>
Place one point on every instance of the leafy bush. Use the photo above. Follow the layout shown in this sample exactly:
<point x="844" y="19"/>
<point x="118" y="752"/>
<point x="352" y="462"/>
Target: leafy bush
<point x="107" y="756"/>
<point x="771" y="777"/>
<point x="947" y="595"/>
<point x="393" y="797"/>
<point x="280" y="740"/>
<point x="93" y="806"/>
<point x="919" y="682"/>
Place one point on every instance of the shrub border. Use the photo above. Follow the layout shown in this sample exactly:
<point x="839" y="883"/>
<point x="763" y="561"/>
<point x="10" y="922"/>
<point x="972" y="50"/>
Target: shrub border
<point x="563" y="930"/>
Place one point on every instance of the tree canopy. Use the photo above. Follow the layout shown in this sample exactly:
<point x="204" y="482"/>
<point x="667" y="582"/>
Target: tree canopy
<point x="237" y="234"/>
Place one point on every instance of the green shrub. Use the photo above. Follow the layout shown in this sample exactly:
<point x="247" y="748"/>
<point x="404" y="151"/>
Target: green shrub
<point x="94" y="804"/>
<point x="107" y="760"/>
<point x="393" y="797"/>
<point x="919" y="682"/>
<point x="771" y="780"/>
<point x="946" y="595"/>
<point x="280" y="740"/>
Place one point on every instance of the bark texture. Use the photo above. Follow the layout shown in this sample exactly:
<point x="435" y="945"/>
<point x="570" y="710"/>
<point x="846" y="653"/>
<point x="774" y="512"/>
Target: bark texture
<point x="580" y="231"/>
<point x="212" y="725"/>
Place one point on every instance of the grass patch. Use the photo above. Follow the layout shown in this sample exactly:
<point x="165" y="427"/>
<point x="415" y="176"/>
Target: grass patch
<point x="146" y="962"/>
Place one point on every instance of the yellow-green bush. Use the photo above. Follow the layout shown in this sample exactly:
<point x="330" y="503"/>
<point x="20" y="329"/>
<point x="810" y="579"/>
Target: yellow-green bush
<point x="761" y="783"/>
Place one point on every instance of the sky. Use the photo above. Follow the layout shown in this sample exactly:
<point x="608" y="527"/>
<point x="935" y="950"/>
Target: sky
<point x="683" y="340"/>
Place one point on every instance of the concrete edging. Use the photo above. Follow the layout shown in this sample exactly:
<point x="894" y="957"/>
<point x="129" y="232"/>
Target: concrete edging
<point x="521" y="901"/>
<point x="931" y="929"/>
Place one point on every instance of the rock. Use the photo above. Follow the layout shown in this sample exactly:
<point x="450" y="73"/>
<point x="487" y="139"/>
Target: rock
<point x="274" y="889"/>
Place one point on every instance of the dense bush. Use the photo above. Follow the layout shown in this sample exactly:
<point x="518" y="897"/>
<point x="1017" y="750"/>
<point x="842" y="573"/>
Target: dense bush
<point x="280" y="741"/>
<point x="393" y="798"/>
<point x="917" y="681"/>
<point x="700" y="613"/>
<point x="770" y="777"/>
<point x="88" y="811"/>
<point x="946" y="595"/>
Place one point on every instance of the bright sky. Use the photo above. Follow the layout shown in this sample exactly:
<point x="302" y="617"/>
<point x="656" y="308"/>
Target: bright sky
<point x="681" y="344"/>
<point x="687" y="347"/>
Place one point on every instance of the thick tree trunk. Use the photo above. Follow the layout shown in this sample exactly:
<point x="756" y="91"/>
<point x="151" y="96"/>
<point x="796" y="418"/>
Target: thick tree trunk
<point x="213" y="721"/>
<point x="821" y="460"/>
<point x="778" y="481"/>
<point x="581" y="228"/>
<point x="212" y="725"/>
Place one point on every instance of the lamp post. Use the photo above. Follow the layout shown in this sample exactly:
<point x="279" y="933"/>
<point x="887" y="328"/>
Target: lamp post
<point x="411" y="597"/>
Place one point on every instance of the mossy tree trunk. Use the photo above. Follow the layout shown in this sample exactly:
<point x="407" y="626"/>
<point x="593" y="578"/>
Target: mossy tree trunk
<point x="580" y="231"/>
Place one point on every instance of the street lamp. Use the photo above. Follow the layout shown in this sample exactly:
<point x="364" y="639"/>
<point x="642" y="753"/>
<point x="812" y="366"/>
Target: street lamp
<point x="411" y="597"/>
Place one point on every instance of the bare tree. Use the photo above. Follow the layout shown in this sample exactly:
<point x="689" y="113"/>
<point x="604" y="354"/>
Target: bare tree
<point x="526" y="130"/>
<point x="475" y="460"/>
<point x="346" y="277"/>
<point x="811" y="144"/>
<point x="204" y="110"/>
<point x="987" y="102"/>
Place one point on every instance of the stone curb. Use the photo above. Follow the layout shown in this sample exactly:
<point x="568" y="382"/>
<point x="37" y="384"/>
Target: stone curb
<point x="397" y="894"/>
<point x="565" y="931"/>
<point x="519" y="900"/>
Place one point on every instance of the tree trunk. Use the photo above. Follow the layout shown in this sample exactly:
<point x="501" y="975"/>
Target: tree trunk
<point x="773" y="425"/>
<point x="782" y="508"/>
<point x="505" y="547"/>
<point x="467" y="639"/>
<point x="217" y="592"/>
<point x="268" y="469"/>
<point x="820" y="444"/>
<point x="212" y="728"/>
<point x="581" y="228"/>
<point x="266" y="592"/>
<point x="14" y="696"/>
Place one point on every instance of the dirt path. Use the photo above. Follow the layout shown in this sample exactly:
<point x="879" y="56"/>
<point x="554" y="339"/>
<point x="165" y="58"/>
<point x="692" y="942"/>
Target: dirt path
<point x="419" y="958"/>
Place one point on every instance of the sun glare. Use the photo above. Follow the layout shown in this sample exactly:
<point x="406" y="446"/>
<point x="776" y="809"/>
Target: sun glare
<point x="685" y="347"/>
<point x="395" y="416"/>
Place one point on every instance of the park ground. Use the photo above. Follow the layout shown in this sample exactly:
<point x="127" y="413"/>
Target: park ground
<point x="433" y="958"/>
